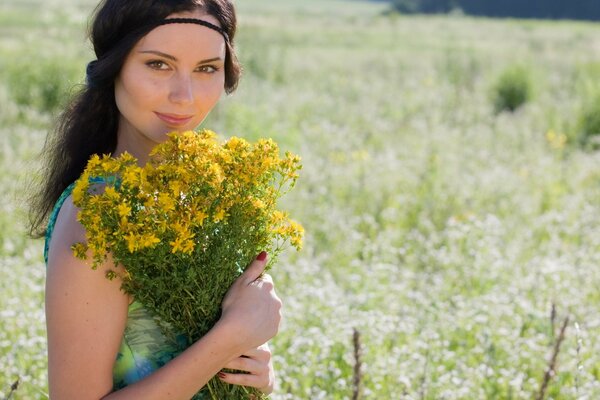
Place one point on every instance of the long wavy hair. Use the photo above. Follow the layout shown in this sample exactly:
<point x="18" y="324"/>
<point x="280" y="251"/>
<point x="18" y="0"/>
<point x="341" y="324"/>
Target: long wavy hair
<point x="89" y="124"/>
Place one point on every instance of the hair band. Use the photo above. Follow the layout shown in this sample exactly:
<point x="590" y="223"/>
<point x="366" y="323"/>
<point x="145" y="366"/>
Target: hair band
<point x="191" y="21"/>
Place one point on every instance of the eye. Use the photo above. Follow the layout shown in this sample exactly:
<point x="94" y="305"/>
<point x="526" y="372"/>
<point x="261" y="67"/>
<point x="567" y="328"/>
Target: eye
<point x="158" y="65"/>
<point x="207" y="69"/>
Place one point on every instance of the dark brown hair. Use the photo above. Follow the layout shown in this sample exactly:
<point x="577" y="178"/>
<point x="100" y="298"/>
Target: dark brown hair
<point x="89" y="124"/>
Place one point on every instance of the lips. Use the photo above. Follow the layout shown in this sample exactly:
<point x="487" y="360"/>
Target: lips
<point x="174" y="120"/>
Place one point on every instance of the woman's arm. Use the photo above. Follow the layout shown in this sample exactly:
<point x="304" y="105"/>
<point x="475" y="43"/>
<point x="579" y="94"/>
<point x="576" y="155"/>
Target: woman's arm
<point x="86" y="316"/>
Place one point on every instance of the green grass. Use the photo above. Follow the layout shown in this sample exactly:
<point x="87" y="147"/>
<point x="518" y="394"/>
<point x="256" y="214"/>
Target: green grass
<point x="442" y="231"/>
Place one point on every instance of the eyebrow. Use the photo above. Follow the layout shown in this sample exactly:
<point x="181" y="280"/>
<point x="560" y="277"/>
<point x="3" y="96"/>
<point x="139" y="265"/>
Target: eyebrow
<point x="170" y="57"/>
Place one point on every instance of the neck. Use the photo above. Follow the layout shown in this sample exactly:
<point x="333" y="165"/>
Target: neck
<point x="133" y="142"/>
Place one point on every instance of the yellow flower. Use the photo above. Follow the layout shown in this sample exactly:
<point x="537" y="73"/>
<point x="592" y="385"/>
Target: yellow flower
<point x="217" y="174"/>
<point x="219" y="215"/>
<point x="81" y="187"/>
<point x="124" y="227"/>
<point x="94" y="162"/>
<point x="95" y="220"/>
<point x="132" y="241"/>
<point x="175" y="187"/>
<point x="277" y="217"/>
<point x="111" y="193"/>
<point x="124" y="210"/>
<point x="166" y="202"/>
<point x="161" y="226"/>
<point x="131" y="176"/>
<point x="237" y="145"/>
<point x="183" y="245"/>
<point x="296" y="233"/>
<point x="110" y="165"/>
<point x="127" y="158"/>
<point x="148" y="240"/>
<point x="149" y="202"/>
<point x="188" y="247"/>
<point x="198" y="217"/>
<point x="258" y="203"/>
<point x="181" y="230"/>
<point x="80" y="250"/>
<point x="226" y="157"/>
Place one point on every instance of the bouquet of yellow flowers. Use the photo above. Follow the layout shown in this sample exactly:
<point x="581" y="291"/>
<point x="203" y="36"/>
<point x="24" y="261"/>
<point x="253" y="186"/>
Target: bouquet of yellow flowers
<point x="186" y="224"/>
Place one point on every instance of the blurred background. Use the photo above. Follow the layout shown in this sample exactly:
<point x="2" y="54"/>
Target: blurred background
<point x="450" y="190"/>
<point x="550" y="9"/>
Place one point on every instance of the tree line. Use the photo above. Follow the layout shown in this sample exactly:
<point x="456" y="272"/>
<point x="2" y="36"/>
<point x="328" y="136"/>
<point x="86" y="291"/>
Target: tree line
<point x="544" y="9"/>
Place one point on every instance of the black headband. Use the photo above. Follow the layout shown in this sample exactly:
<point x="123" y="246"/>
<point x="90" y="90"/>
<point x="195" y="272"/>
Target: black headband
<point x="155" y="24"/>
<point x="191" y="21"/>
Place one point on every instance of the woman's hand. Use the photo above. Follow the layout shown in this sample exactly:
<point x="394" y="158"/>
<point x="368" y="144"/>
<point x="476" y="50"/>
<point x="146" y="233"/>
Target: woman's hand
<point x="257" y="363"/>
<point x="251" y="309"/>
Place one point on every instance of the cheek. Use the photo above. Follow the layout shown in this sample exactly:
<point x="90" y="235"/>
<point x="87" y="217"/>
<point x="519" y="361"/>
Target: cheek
<point x="135" y="92"/>
<point x="211" y="92"/>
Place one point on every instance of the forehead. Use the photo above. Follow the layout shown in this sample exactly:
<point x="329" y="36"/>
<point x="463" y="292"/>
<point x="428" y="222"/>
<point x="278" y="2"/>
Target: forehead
<point x="185" y="38"/>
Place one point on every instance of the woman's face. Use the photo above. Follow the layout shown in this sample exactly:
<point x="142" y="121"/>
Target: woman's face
<point x="170" y="81"/>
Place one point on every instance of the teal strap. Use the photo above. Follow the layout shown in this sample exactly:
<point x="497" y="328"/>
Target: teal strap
<point x="52" y="220"/>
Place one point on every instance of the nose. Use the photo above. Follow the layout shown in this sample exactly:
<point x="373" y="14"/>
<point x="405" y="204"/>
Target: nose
<point x="182" y="90"/>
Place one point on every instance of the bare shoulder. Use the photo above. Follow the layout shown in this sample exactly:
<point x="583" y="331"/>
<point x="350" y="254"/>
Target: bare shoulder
<point x="67" y="227"/>
<point x="85" y="314"/>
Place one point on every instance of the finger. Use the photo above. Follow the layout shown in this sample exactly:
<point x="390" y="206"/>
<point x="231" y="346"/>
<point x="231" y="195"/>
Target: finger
<point x="248" y="365"/>
<point x="255" y="269"/>
<point x="261" y="353"/>
<point x="265" y="346"/>
<point x="266" y="277"/>
<point x="264" y="284"/>
<point x="256" y="381"/>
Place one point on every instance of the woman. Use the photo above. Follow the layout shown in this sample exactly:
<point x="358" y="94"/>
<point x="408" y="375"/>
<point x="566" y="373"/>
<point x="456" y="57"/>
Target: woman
<point x="161" y="65"/>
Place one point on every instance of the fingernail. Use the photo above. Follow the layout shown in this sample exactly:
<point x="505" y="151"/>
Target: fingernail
<point x="262" y="256"/>
<point x="221" y="375"/>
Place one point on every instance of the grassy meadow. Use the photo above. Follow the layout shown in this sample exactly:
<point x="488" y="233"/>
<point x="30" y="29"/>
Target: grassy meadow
<point x="455" y="239"/>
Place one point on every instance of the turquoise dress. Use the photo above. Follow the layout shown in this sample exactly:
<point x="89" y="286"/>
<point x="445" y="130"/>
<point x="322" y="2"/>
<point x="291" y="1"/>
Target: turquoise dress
<point x="144" y="347"/>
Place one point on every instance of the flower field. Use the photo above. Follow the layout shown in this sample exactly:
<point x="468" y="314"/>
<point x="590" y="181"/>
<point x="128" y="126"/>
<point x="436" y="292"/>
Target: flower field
<point x="455" y="237"/>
